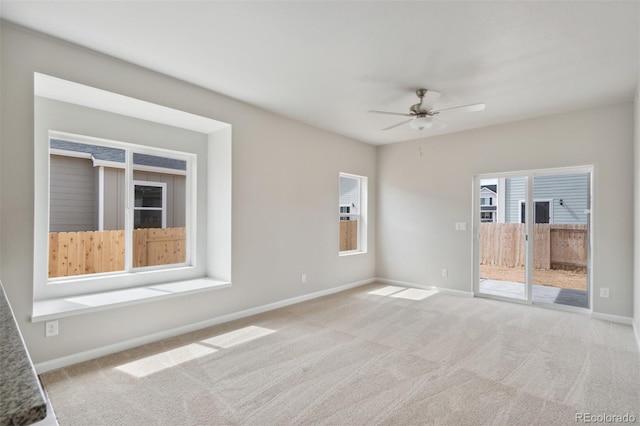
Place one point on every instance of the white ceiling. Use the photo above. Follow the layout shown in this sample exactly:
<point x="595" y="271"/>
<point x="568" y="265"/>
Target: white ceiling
<point x="327" y="63"/>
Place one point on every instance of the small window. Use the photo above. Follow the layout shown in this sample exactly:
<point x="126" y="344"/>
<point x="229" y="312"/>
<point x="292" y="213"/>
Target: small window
<point x="150" y="209"/>
<point x="541" y="214"/>
<point x="487" y="217"/>
<point x="352" y="217"/>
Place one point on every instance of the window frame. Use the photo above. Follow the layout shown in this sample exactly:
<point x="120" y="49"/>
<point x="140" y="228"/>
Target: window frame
<point x="85" y="283"/>
<point x="163" y="186"/>
<point x="100" y="113"/>
<point x="360" y="216"/>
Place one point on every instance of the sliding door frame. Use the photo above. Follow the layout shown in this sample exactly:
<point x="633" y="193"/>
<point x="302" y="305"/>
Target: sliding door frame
<point x="529" y="176"/>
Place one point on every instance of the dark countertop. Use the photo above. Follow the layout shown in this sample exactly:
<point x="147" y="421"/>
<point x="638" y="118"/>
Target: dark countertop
<point x="22" y="400"/>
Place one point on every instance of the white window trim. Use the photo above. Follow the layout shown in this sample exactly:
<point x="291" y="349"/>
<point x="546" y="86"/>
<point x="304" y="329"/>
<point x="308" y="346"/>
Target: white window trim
<point x="214" y="200"/>
<point x="361" y="216"/>
<point x="46" y="288"/>
<point x="162" y="185"/>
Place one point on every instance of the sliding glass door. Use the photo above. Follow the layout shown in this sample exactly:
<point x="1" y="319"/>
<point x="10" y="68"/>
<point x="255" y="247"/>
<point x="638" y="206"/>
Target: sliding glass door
<point x="532" y="236"/>
<point x="561" y="236"/>
<point x="502" y="237"/>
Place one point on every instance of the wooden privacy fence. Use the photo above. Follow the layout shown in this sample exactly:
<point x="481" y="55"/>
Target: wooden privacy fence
<point x="348" y="235"/>
<point x="158" y="246"/>
<point x="554" y="246"/>
<point x="90" y="252"/>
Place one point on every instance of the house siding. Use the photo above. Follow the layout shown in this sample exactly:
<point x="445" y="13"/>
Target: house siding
<point x="349" y="195"/>
<point x="574" y="192"/>
<point x="73" y="186"/>
<point x="514" y="192"/>
<point x="113" y="199"/>
<point x="573" y="189"/>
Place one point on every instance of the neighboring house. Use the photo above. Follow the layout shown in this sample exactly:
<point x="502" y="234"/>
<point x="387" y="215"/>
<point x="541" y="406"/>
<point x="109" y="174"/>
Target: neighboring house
<point x="349" y="197"/>
<point x="488" y="203"/>
<point x="87" y="189"/>
<point x="560" y="199"/>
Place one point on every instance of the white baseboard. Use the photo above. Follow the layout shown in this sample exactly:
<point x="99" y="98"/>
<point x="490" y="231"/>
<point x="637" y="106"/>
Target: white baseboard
<point x="605" y="317"/>
<point x="613" y="318"/>
<point x="426" y="287"/>
<point x="54" y="364"/>
<point x="636" y="331"/>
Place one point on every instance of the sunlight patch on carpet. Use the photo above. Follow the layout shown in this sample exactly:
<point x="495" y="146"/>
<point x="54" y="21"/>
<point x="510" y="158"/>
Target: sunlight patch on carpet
<point x="239" y="336"/>
<point x="146" y="366"/>
<point x="414" y="294"/>
<point x="386" y="291"/>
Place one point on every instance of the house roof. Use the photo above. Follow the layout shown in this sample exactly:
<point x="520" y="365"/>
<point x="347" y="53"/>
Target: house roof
<point x="492" y="188"/>
<point x="117" y="155"/>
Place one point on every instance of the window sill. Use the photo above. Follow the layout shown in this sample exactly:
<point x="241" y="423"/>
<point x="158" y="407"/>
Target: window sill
<point x="351" y="252"/>
<point x="44" y="310"/>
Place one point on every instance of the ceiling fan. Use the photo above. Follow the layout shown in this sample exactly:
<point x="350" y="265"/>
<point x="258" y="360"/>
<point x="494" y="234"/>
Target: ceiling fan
<point x="423" y="115"/>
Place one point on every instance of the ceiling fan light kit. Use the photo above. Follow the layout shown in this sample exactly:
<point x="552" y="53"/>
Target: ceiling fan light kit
<point x="421" y="123"/>
<point x="422" y="114"/>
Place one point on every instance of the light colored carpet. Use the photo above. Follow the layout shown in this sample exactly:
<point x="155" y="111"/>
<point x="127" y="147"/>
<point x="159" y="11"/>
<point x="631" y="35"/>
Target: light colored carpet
<point x="371" y="355"/>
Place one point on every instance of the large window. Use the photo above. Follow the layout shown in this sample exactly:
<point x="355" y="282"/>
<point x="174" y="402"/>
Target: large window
<point x="116" y="207"/>
<point x="144" y="199"/>
<point x="352" y="213"/>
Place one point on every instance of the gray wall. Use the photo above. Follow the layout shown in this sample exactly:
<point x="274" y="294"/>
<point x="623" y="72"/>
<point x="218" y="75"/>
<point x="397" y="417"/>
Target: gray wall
<point x="636" y="216"/>
<point x="271" y="248"/>
<point x="72" y="202"/>
<point x="433" y="192"/>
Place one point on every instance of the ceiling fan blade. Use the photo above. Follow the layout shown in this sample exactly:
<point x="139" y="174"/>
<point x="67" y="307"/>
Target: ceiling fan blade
<point x="398" y="125"/>
<point x="391" y="113"/>
<point x="438" y="124"/>
<point x="464" y="108"/>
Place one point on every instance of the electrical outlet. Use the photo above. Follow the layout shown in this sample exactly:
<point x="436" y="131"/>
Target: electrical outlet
<point x="445" y="273"/>
<point x="303" y="279"/>
<point x="461" y="226"/>
<point x="51" y="328"/>
<point x="604" y="292"/>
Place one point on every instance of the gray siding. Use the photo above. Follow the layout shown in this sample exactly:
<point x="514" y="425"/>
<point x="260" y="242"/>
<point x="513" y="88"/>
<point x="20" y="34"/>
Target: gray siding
<point x="73" y="197"/>
<point x="573" y="189"/>
<point x="349" y="194"/>
<point x="514" y="192"/>
<point x="113" y="199"/>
